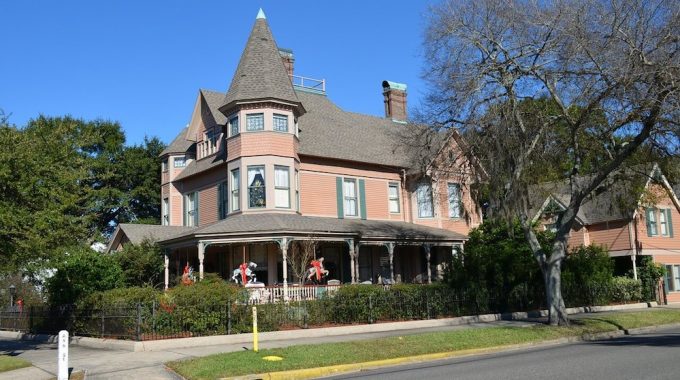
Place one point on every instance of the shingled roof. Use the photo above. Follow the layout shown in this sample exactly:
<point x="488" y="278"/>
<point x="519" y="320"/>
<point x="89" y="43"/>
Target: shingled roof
<point x="137" y="233"/>
<point x="260" y="73"/>
<point x="273" y="223"/>
<point x="179" y="145"/>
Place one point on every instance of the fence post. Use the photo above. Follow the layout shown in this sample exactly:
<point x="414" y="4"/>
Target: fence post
<point x="101" y="312"/>
<point x="139" y="322"/>
<point x="229" y="316"/>
<point x="427" y="303"/>
<point x="370" y="308"/>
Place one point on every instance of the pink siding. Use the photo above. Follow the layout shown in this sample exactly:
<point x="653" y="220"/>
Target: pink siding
<point x="669" y="260"/>
<point x="261" y="144"/>
<point x="614" y="235"/>
<point x="659" y="242"/>
<point x="317" y="195"/>
<point x="576" y="237"/>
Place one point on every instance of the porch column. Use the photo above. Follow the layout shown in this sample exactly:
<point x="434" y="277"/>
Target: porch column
<point x="284" y="253"/>
<point x="201" y="256"/>
<point x="166" y="265"/>
<point x="390" y="252"/>
<point x="352" y="254"/>
<point x="356" y="262"/>
<point x="635" y="277"/>
<point x="428" y="249"/>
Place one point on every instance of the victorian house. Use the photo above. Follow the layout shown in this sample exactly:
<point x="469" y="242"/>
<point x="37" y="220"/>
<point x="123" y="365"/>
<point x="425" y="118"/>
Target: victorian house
<point x="273" y="160"/>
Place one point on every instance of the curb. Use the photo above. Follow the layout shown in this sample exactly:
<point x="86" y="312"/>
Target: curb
<point x="355" y="367"/>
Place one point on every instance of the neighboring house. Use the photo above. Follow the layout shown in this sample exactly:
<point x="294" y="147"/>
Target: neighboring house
<point x="273" y="160"/>
<point x="628" y="226"/>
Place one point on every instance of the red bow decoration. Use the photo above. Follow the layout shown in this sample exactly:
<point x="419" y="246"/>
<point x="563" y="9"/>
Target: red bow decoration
<point x="243" y="268"/>
<point x="317" y="266"/>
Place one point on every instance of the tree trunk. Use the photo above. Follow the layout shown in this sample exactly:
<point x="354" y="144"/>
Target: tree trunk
<point x="552" y="276"/>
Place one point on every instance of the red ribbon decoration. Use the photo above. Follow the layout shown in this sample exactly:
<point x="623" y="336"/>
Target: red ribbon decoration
<point x="317" y="266"/>
<point x="243" y="268"/>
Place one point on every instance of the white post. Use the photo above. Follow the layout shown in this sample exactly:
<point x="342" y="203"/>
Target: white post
<point x="201" y="256"/>
<point x="634" y="267"/>
<point x="357" y="275"/>
<point x="166" y="264"/>
<point x="62" y="356"/>
<point x="390" y="251"/>
<point x="284" y="253"/>
<point x="352" y="255"/>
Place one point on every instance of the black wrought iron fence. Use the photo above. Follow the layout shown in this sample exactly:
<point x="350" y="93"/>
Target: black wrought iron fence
<point x="354" y="305"/>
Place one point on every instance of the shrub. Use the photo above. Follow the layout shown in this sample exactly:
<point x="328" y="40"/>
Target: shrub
<point x="127" y="297"/>
<point x="142" y="264"/>
<point x="625" y="289"/>
<point x="81" y="273"/>
<point x="649" y="274"/>
<point x="587" y="274"/>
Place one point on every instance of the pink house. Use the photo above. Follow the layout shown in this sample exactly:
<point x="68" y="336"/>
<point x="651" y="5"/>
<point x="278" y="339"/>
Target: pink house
<point x="629" y="228"/>
<point x="274" y="160"/>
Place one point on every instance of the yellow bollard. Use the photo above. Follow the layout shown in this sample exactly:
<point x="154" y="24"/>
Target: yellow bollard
<point x="255" y="328"/>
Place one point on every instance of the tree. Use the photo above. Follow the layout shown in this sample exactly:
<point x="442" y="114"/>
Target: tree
<point x="142" y="264"/>
<point x="607" y="73"/>
<point x="302" y="252"/>
<point x="81" y="273"/>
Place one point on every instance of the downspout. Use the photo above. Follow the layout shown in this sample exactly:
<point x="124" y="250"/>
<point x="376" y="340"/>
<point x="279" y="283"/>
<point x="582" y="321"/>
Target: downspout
<point x="405" y="198"/>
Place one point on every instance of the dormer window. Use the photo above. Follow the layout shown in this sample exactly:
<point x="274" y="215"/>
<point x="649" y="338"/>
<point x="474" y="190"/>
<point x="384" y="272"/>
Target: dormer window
<point x="255" y="122"/>
<point x="233" y="126"/>
<point x="280" y="123"/>
<point x="180" y="162"/>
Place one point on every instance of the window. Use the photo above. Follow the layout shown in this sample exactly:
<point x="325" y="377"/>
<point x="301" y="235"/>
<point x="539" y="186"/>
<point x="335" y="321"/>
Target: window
<point x="393" y="195"/>
<point x="164" y="165"/>
<point x="209" y="143"/>
<point x="454" y="200"/>
<point x="233" y="125"/>
<point x="180" y="162"/>
<point x="166" y="211"/>
<point x="257" y="197"/>
<point x="235" y="187"/>
<point x="663" y="223"/>
<point x="282" y="186"/>
<point x="222" y="194"/>
<point x="673" y="278"/>
<point x="191" y="209"/>
<point x="297" y="190"/>
<point x="424" y="200"/>
<point x="651" y="222"/>
<point x="280" y="123"/>
<point x="350" y="196"/>
<point x="255" y="122"/>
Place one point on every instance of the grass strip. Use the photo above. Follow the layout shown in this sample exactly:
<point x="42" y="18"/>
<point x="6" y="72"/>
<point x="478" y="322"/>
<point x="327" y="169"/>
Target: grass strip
<point x="327" y="354"/>
<point x="8" y="363"/>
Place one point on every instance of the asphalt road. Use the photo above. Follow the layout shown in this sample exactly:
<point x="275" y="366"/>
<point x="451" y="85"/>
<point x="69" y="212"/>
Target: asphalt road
<point x="645" y="356"/>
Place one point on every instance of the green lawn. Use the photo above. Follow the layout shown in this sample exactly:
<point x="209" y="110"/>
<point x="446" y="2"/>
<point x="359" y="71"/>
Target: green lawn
<point x="320" y="355"/>
<point x="8" y="363"/>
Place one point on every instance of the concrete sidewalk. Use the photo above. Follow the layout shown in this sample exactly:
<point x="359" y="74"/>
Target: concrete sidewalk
<point x="116" y="363"/>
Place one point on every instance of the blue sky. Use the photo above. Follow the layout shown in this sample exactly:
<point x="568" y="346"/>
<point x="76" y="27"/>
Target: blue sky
<point x="141" y="63"/>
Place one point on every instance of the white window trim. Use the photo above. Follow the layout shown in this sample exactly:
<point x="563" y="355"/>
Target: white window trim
<point x="287" y="188"/>
<point x="356" y="198"/>
<point x="235" y="190"/>
<point x="280" y="115"/>
<point x="390" y="198"/>
<point x="432" y="208"/>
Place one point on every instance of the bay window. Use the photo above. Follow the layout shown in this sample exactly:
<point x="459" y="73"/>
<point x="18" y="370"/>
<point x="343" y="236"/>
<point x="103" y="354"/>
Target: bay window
<point x="282" y="186"/>
<point x="257" y="195"/>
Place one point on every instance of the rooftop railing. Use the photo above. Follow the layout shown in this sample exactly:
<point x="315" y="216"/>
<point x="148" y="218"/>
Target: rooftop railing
<point x="309" y="84"/>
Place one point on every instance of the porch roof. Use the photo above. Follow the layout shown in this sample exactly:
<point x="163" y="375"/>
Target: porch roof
<point x="295" y="224"/>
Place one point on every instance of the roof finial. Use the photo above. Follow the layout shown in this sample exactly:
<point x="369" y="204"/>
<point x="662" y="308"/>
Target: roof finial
<point x="260" y="15"/>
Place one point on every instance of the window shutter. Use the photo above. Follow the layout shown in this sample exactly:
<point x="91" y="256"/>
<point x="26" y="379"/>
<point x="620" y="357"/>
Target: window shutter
<point x="338" y="194"/>
<point x="648" y="213"/>
<point x="196" y="213"/>
<point x="362" y="199"/>
<point x="184" y="210"/>
<point x="669" y="220"/>
<point x="220" y="212"/>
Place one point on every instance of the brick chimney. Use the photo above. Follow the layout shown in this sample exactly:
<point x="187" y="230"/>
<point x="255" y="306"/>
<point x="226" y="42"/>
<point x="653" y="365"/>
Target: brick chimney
<point x="288" y="60"/>
<point x="395" y="101"/>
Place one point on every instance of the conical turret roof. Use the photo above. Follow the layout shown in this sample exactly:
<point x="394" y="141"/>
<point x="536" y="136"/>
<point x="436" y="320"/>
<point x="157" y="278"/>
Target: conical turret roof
<point x="260" y="73"/>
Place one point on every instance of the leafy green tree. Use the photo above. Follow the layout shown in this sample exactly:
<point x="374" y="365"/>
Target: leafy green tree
<point x="142" y="264"/>
<point x="81" y="273"/>
<point x="498" y="264"/>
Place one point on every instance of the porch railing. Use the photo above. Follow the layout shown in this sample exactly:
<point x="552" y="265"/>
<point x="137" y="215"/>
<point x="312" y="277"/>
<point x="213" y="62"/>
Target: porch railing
<point x="270" y="294"/>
